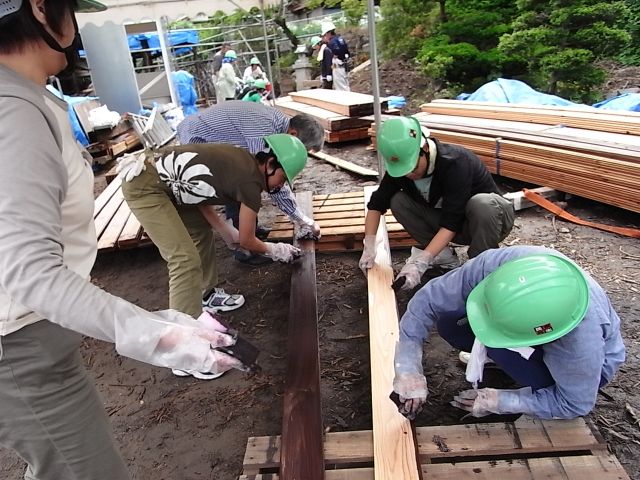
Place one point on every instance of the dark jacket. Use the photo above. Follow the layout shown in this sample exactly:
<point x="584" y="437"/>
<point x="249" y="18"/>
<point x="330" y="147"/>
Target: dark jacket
<point x="458" y="175"/>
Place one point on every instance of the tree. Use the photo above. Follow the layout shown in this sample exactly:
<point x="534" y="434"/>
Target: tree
<point x="463" y="50"/>
<point x="631" y="53"/>
<point x="559" y="41"/>
<point x="405" y="25"/>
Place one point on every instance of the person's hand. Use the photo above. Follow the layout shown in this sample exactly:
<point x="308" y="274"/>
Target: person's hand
<point x="282" y="252"/>
<point x="329" y="78"/>
<point x="229" y="234"/>
<point x="412" y="390"/>
<point x="308" y="231"/>
<point x="479" y="403"/>
<point x="414" y="268"/>
<point x="220" y="362"/>
<point x="368" y="258"/>
<point x="130" y="165"/>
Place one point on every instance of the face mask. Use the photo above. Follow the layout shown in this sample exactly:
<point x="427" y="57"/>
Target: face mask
<point x="70" y="52"/>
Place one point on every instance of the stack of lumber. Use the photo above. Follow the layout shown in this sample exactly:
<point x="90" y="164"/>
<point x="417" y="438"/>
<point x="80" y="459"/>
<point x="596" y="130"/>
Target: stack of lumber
<point x="585" y="152"/>
<point x="116" y="226"/>
<point x="341" y="218"/>
<point x="337" y="111"/>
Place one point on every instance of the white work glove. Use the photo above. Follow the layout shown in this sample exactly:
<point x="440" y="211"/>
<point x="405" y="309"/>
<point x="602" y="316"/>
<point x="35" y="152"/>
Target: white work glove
<point x="229" y="234"/>
<point x="368" y="258"/>
<point x="132" y="164"/>
<point x="309" y="230"/>
<point x="282" y="252"/>
<point x="414" y="268"/>
<point x="329" y="78"/>
<point x="479" y="403"/>
<point x="409" y="383"/>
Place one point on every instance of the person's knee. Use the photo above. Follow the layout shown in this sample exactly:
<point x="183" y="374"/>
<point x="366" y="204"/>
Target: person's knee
<point x="456" y="333"/>
<point x="184" y="261"/>
<point x="483" y="207"/>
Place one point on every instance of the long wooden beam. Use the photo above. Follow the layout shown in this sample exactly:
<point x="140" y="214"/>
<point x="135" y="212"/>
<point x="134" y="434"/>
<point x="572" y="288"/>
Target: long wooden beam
<point x="345" y="165"/>
<point x="302" y="454"/>
<point x="394" y="446"/>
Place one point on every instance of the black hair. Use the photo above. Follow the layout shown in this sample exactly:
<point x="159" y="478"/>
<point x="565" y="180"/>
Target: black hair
<point x="19" y="29"/>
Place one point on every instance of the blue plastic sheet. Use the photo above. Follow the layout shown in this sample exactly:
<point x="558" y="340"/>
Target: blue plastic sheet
<point x="396" y="101"/>
<point x="505" y="90"/>
<point x="626" y="101"/>
<point x="186" y="89"/>
<point x="78" y="132"/>
<point x="187" y="37"/>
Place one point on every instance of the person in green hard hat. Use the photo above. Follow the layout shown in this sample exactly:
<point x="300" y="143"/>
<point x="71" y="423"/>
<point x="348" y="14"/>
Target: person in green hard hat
<point x="440" y="193"/>
<point x="530" y="310"/>
<point x="257" y="93"/>
<point x="174" y="195"/>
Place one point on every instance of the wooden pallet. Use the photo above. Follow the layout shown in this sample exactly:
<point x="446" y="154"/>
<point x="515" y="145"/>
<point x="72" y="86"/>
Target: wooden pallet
<point x="341" y="218"/>
<point x="528" y="449"/>
<point x="116" y="226"/>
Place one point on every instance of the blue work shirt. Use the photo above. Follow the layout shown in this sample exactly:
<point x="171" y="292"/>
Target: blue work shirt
<point x="577" y="361"/>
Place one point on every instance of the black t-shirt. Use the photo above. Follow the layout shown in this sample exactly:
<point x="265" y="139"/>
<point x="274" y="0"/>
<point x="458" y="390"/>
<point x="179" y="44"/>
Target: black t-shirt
<point x="211" y="174"/>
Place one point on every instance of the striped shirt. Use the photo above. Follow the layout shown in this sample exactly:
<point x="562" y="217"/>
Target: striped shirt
<point x="243" y="124"/>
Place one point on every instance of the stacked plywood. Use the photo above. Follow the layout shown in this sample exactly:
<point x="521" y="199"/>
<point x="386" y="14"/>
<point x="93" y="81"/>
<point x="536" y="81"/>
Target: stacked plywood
<point x="587" y="152"/>
<point x="337" y="111"/>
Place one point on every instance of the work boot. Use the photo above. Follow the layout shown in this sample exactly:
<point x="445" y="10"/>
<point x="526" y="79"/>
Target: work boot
<point x="465" y="356"/>
<point x="196" y="374"/>
<point x="253" y="259"/>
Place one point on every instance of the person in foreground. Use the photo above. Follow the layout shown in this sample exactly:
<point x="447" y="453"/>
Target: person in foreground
<point x="542" y="319"/>
<point x="50" y="412"/>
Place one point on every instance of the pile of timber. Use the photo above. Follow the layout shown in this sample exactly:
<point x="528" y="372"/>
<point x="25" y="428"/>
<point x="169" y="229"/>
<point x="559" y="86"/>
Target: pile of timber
<point x="585" y="152"/>
<point x="106" y="144"/>
<point x="339" y="112"/>
<point x="341" y="218"/>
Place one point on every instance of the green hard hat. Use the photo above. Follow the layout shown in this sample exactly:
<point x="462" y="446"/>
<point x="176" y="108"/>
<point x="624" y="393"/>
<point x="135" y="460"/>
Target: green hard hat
<point x="87" y="6"/>
<point x="254" y="61"/>
<point x="528" y="301"/>
<point x="290" y="153"/>
<point x="315" y="40"/>
<point x="230" y="54"/>
<point x="260" y="83"/>
<point x="399" y="144"/>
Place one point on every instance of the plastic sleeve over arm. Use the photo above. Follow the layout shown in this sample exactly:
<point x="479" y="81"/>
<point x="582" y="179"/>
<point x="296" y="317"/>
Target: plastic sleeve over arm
<point x="32" y="271"/>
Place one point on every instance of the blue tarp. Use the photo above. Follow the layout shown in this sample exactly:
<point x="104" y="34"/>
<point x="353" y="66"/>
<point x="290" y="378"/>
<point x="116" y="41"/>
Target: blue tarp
<point x="187" y="37"/>
<point x="514" y="91"/>
<point x="186" y="89"/>
<point x="78" y="132"/>
<point x="626" y="101"/>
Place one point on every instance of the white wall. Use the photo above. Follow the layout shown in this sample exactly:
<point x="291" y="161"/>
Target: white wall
<point x="134" y="11"/>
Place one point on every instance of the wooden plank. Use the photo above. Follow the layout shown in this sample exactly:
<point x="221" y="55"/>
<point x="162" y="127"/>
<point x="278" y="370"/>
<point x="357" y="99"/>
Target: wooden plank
<point x="109" y="238"/>
<point x="106" y="195"/>
<point x="349" y="104"/>
<point x="329" y="120"/>
<point x="345" y="165"/>
<point x="131" y="233"/>
<point x="603" y="466"/>
<point x="394" y="447"/>
<point x="106" y="214"/>
<point x="525" y="437"/>
<point x="346" y="135"/>
<point x="302" y="453"/>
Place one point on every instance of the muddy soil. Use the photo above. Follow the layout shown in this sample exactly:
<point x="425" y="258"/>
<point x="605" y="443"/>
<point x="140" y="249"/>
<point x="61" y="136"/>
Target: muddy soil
<point x="181" y="428"/>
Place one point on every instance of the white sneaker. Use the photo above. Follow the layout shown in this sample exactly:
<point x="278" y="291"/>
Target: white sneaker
<point x="217" y="300"/>
<point x="198" y="375"/>
<point x="446" y="259"/>
<point x="464" y="358"/>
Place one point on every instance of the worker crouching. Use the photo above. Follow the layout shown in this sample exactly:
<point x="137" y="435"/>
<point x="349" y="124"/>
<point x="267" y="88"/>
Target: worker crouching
<point x="542" y="320"/>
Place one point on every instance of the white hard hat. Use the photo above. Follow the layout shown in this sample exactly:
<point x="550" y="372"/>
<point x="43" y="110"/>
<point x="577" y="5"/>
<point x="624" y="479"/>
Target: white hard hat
<point x="327" y="27"/>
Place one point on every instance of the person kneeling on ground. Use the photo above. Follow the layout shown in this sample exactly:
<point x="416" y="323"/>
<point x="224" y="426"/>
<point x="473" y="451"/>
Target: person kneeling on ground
<point x="174" y="199"/>
<point x="543" y="320"/>
<point x="440" y="193"/>
<point x="257" y="92"/>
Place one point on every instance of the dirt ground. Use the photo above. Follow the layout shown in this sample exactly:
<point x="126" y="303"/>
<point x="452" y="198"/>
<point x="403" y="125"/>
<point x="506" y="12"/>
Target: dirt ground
<point x="181" y="428"/>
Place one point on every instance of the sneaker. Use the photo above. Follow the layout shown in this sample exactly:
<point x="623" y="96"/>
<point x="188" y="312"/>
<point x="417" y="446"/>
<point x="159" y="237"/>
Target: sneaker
<point x="198" y="375"/>
<point x="217" y="300"/>
<point x="446" y="259"/>
<point x="464" y="358"/>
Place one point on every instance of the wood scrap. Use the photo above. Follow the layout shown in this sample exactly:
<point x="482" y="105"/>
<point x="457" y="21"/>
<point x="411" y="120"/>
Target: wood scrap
<point x="329" y="120"/>
<point x="345" y="165"/>
<point x="350" y="104"/>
